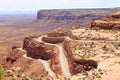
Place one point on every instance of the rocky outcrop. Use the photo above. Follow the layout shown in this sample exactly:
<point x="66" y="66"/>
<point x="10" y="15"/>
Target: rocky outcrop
<point x="14" y="55"/>
<point x="46" y="50"/>
<point x="39" y="49"/>
<point x="27" y="41"/>
<point x="53" y="40"/>
<point x="102" y="24"/>
<point x="11" y="57"/>
<point x="78" y="65"/>
<point x="116" y="15"/>
<point x="106" y="24"/>
<point x="59" y="32"/>
<point x="56" y="34"/>
<point x="111" y="22"/>
<point x="55" y="66"/>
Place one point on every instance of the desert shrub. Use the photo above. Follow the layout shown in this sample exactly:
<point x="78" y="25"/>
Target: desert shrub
<point x="13" y="79"/>
<point x="2" y="72"/>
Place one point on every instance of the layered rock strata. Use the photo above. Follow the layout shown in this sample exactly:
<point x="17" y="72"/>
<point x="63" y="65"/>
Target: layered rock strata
<point x="78" y="64"/>
<point x="110" y="22"/>
<point x="39" y="50"/>
<point x="45" y="48"/>
<point x="53" y="40"/>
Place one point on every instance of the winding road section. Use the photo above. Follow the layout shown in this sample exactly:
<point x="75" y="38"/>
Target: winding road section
<point x="45" y="64"/>
<point x="62" y="57"/>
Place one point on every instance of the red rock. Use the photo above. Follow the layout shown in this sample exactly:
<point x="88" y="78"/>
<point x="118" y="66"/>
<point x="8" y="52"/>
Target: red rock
<point x="15" y="54"/>
<point x="111" y="22"/>
<point x="116" y="15"/>
<point x="14" y="47"/>
<point x="11" y="57"/>
<point x="102" y="24"/>
<point x="53" y="40"/>
<point x="56" y="34"/>
<point x="27" y="41"/>
<point x="43" y="51"/>
<point x="39" y="49"/>
<point x="55" y="65"/>
<point x="78" y="65"/>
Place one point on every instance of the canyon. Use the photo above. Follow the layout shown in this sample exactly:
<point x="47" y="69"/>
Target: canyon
<point x="13" y="25"/>
<point x="87" y="52"/>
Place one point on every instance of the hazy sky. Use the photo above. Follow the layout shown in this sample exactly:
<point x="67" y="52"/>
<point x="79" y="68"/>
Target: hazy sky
<point x="34" y="5"/>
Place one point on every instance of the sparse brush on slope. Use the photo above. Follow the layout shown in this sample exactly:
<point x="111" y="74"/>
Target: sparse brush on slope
<point x="2" y="72"/>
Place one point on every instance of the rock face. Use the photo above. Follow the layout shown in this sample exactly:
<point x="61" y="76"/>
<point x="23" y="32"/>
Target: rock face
<point x="116" y="15"/>
<point x="77" y="65"/>
<point x="68" y="17"/>
<point x="38" y="49"/>
<point x="53" y="40"/>
<point x="110" y="22"/>
<point x="11" y="57"/>
<point x="55" y="65"/>
<point x="102" y="24"/>
<point x="46" y="49"/>
<point x="66" y="14"/>
<point x="56" y="34"/>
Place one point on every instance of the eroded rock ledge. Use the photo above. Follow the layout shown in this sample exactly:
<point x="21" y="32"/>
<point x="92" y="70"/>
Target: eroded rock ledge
<point x="38" y="49"/>
<point x="77" y="65"/>
<point x="46" y="50"/>
<point x="110" y="22"/>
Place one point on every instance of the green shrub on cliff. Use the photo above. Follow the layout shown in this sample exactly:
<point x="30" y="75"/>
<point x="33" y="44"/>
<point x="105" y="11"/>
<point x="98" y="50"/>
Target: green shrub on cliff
<point x="2" y="72"/>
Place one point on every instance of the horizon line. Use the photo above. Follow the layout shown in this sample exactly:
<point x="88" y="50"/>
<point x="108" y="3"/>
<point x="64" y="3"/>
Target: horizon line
<point x="35" y="11"/>
<point x="61" y="9"/>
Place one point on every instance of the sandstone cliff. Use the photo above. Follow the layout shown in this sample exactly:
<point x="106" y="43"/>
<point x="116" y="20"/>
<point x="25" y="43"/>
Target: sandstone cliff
<point x="67" y="17"/>
<point x="76" y="53"/>
<point x="69" y="14"/>
<point x="110" y="22"/>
